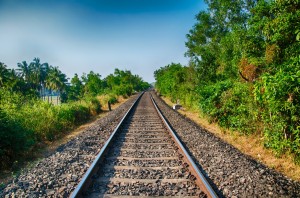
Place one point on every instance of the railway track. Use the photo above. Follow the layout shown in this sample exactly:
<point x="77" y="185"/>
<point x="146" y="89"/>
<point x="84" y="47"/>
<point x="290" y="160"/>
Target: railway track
<point x="143" y="157"/>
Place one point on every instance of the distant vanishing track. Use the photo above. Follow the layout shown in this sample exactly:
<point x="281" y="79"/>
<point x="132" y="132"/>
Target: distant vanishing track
<point x="143" y="158"/>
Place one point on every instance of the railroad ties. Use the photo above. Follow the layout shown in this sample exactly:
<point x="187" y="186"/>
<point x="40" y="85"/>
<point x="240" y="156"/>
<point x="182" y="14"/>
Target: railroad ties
<point x="143" y="160"/>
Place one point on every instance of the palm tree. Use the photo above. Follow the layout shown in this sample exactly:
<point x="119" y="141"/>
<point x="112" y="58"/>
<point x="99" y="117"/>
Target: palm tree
<point x="4" y="74"/>
<point x="9" y="78"/>
<point x="44" y="74"/>
<point x="35" y="76"/>
<point x="56" y="80"/>
<point x="24" y="71"/>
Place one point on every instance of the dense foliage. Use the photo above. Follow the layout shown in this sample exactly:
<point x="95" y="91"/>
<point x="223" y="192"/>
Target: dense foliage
<point x="244" y="70"/>
<point x="26" y="119"/>
<point x="121" y="83"/>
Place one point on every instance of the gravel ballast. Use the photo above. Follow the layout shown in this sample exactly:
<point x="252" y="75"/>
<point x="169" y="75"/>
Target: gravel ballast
<point x="58" y="174"/>
<point x="155" y="172"/>
<point x="230" y="172"/>
<point x="233" y="173"/>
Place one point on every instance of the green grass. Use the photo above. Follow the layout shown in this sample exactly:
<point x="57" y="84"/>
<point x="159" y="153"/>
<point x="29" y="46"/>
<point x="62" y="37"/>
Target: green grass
<point x="26" y="122"/>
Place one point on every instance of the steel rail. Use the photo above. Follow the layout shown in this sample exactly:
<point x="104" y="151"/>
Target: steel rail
<point x="200" y="179"/>
<point x="83" y="182"/>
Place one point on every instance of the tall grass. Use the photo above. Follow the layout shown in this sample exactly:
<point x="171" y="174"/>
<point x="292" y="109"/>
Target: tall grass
<point x="25" y="122"/>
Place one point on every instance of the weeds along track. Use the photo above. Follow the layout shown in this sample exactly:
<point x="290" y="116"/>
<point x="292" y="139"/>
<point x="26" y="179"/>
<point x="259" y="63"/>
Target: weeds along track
<point x="143" y="158"/>
<point x="231" y="173"/>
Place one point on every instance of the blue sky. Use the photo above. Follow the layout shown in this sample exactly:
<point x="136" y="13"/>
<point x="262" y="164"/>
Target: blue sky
<point x="98" y="35"/>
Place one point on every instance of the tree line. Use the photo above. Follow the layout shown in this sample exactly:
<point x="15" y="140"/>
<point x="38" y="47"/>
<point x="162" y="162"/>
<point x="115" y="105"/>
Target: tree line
<point x="120" y="83"/>
<point x="26" y="120"/>
<point x="33" y="78"/>
<point x="244" y="70"/>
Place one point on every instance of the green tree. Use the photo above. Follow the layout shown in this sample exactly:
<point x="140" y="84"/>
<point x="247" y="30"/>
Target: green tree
<point x="93" y="84"/>
<point x="124" y="83"/>
<point x="245" y="61"/>
<point x="4" y="74"/>
<point x="24" y="70"/>
<point x="76" y="89"/>
<point x="56" y="80"/>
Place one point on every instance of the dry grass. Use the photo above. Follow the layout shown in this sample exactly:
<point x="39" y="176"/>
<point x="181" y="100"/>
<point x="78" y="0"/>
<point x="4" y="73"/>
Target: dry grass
<point x="104" y="101"/>
<point x="251" y="145"/>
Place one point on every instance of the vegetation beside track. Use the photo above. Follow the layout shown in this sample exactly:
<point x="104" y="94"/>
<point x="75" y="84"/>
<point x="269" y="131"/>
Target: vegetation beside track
<point x="27" y="121"/>
<point x="244" y="70"/>
<point x="251" y="144"/>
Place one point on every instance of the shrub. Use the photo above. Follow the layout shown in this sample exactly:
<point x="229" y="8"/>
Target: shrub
<point x="25" y="121"/>
<point x="238" y="110"/>
<point x="112" y="99"/>
<point x="94" y="105"/>
<point x="107" y="98"/>
<point x="81" y="113"/>
<point x="210" y="98"/>
<point x="14" y="139"/>
<point x="231" y="104"/>
<point x="123" y="90"/>
<point x="40" y="118"/>
<point x="279" y="97"/>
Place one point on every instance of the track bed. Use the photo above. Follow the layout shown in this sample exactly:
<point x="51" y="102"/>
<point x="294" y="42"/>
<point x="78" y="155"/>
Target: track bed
<point x="142" y="160"/>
